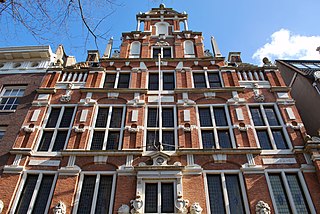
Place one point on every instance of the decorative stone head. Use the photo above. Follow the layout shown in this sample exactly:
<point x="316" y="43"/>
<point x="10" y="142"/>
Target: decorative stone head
<point x="60" y="208"/>
<point x="262" y="208"/>
<point x="137" y="205"/>
<point x="1" y="206"/>
<point x="195" y="208"/>
<point x="124" y="209"/>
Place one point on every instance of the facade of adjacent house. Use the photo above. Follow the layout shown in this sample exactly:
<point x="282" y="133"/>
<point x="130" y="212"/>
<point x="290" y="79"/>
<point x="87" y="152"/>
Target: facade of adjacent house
<point x="161" y="126"/>
<point x="21" y="72"/>
<point x="303" y="77"/>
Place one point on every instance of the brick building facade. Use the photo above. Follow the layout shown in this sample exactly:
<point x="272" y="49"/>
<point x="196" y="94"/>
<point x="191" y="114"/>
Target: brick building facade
<point x="162" y="126"/>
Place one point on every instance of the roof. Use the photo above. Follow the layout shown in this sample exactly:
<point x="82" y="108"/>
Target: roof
<point x="306" y="68"/>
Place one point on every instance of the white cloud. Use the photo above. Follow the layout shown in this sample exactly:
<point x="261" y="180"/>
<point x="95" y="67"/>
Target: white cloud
<point x="286" y="45"/>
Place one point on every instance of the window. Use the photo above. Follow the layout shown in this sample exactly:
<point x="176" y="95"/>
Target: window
<point x="164" y="51"/>
<point x="206" y="79"/>
<point x="287" y="193"/>
<point x="95" y="194"/>
<point x="117" y="80"/>
<point x="161" y="131"/>
<point x="188" y="49"/>
<point x="299" y="65"/>
<point x="167" y="81"/>
<point x="162" y="28"/>
<point x="57" y="129"/>
<point x="2" y="131"/>
<point x="135" y="49"/>
<point x="215" y="127"/>
<point x="226" y="194"/>
<point x="108" y="128"/>
<point x="159" y="197"/>
<point x="10" y="98"/>
<point x="36" y="194"/>
<point x="269" y="127"/>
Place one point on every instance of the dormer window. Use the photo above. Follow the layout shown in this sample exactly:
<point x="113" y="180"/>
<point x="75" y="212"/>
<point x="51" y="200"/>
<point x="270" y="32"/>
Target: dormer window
<point x="188" y="49"/>
<point x="135" y="49"/>
<point x="162" y="28"/>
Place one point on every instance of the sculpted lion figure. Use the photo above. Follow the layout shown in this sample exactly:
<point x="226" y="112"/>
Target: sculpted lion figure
<point x="195" y="208"/>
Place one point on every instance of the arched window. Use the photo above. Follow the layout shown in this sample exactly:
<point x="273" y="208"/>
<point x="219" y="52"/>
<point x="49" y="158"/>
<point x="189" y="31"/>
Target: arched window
<point x="188" y="49"/>
<point x="135" y="50"/>
<point x="162" y="28"/>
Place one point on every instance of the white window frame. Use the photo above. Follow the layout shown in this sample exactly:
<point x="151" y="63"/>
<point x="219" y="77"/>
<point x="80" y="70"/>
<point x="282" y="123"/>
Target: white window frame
<point x="3" y="129"/>
<point x="161" y="82"/>
<point x="173" y="181"/>
<point x="282" y="126"/>
<point x="222" y="173"/>
<point x="166" y="24"/>
<point x="55" y="129"/>
<point x="160" y="129"/>
<point x="287" y="189"/>
<point x="189" y="44"/>
<point x="116" y="82"/>
<point x="36" y="189"/>
<point x="161" y="50"/>
<point x="94" y="200"/>
<point x="107" y="128"/>
<point x="134" y="54"/>
<point x="3" y="91"/>
<point x="206" y="77"/>
<point x="215" y="128"/>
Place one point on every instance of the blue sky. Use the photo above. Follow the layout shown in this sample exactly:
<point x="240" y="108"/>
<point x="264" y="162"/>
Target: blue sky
<point x="275" y="28"/>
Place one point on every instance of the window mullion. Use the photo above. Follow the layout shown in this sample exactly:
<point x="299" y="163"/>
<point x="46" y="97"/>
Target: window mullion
<point x="160" y="123"/>
<point x="122" y="127"/>
<point x="106" y="130"/>
<point x="225" y="193"/>
<point x="175" y="128"/>
<point x="215" y="131"/>
<point x="305" y="191"/>
<point x="116" y="81"/>
<point x="207" y="79"/>
<point x="269" y="130"/>
<point x="35" y="193"/>
<point x="288" y="191"/>
<point x="54" y="135"/>
<point x="159" y="197"/>
<point x="233" y="141"/>
<point x="95" y="194"/>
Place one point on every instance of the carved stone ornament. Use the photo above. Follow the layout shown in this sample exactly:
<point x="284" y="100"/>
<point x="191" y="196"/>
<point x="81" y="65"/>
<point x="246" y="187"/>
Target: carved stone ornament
<point x="162" y="43"/>
<point x="195" y="208"/>
<point x="124" y="209"/>
<point x="1" y="206"/>
<point x="133" y="129"/>
<point x="262" y="208"/>
<point x="66" y="97"/>
<point x="257" y="96"/>
<point x="79" y="129"/>
<point x="28" y="129"/>
<point x="137" y="205"/>
<point x="60" y="208"/>
<point x="182" y="205"/>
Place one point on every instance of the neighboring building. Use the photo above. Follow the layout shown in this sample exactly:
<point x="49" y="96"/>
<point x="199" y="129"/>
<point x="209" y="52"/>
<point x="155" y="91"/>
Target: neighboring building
<point x="21" y="72"/>
<point x="303" y="77"/>
<point x="184" y="132"/>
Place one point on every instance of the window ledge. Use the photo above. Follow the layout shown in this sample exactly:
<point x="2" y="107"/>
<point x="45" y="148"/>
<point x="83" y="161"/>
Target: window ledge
<point x="7" y="111"/>
<point x="277" y="152"/>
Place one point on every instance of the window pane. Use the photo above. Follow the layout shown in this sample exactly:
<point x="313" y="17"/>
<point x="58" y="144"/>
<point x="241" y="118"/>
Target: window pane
<point x="153" y="81"/>
<point x="156" y="51"/>
<point x="104" y="195"/>
<point x="151" y="198"/>
<point x="166" y="52"/>
<point x="110" y="80"/>
<point x="168" y="140"/>
<point x="153" y="117"/>
<point x="207" y="139"/>
<point x="66" y="118"/>
<point x="124" y="80"/>
<point x="205" y="117"/>
<point x="220" y="116"/>
<point x="167" y="198"/>
<point x="234" y="194"/>
<point x="214" y="80"/>
<point x="224" y="139"/>
<point x="113" y="140"/>
<point x="60" y="140"/>
<point x="53" y="118"/>
<point x="43" y="194"/>
<point x="215" y="194"/>
<point x="116" y="118"/>
<point x="279" y="139"/>
<point x="272" y="117"/>
<point x="102" y="117"/>
<point x="167" y="117"/>
<point x="256" y="116"/>
<point x="264" y="140"/>
<point x="2" y="134"/>
<point x="86" y="196"/>
<point x="152" y="140"/>
<point x="299" y="199"/>
<point x="279" y="193"/>
<point x="199" y="80"/>
<point x="26" y="194"/>
<point x="168" y="81"/>
<point x="97" y="140"/>
<point x="45" y="141"/>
